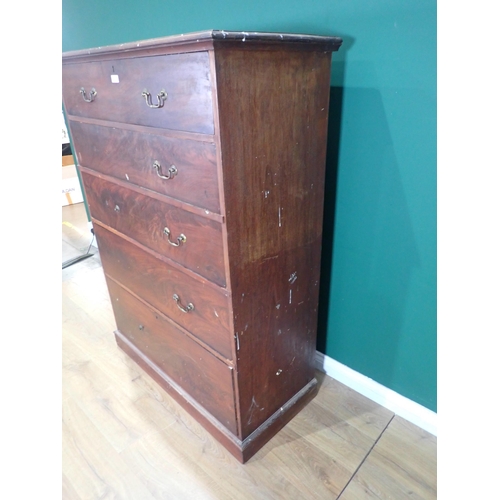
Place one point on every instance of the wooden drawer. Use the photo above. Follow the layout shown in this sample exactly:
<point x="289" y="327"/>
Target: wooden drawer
<point x="156" y="282"/>
<point x="244" y="123"/>
<point x="204" y="377"/>
<point x="129" y="156"/>
<point x="144" y="219"/>
<point x="184" y="77"/>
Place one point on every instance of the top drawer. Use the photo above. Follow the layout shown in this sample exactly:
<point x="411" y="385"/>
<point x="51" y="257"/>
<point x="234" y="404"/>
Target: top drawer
<point x="119" y="85"/>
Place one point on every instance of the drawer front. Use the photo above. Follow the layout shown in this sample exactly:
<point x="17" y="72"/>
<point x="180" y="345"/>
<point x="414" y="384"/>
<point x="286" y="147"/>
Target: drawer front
<point x="146" y="220"/>
<point x="184" y="77"/>
<point x="204" y="377"/>
<point x="156" y="282"/>
<point x="130" y="156"/>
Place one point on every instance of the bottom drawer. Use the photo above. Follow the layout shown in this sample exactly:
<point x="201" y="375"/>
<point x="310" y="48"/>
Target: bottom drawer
<point x="205" y="378"/>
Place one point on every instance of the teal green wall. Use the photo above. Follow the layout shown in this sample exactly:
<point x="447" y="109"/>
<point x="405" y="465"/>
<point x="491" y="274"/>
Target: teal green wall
<point x="378" y="298"/>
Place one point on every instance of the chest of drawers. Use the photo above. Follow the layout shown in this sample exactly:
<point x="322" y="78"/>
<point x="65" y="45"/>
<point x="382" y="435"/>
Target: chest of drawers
<point x="202" y="158"/>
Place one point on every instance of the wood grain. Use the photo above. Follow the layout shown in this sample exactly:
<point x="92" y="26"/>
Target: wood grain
<point x="129" y="156"/>
<point x="147" y="446"/>
<point x="184" y="77"/>
<point x="260" y="102"/>
<point x="401" y="465"/>
<point x="204" y="377"/>
<point x="273" y="110"/>
<point x="144" y="219"/>
<point x="94" y="471"/>
<point x="156" y="284"/>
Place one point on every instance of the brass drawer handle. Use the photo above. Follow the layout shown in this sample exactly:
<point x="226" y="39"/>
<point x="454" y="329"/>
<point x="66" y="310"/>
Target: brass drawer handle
<point x="91" y="97"/>
<point x="180" y="239"/>
<point x="172" y="171"/>
<point x="162" y="96"/>
<point x="186" y="309"/>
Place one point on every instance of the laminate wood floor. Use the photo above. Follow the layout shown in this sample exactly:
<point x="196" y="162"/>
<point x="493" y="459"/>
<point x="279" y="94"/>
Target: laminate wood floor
<point x="125" y="438"/>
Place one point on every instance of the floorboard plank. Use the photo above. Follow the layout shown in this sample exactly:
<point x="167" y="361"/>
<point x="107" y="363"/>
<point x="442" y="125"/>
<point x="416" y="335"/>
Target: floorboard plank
<point x="126" y="438"/>
<point x="92" y="466"/>
<point x="401" y="465"/>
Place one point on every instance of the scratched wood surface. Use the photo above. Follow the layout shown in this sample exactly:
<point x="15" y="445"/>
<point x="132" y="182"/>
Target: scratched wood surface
<point x="157" y="282"/>
<point x="274" y="238"/>
<point x="208" y="379"/>
<point x="125" y="438"/>
<point x="144" y="219"/>
<point x="264" y="114"/>
<point x="188" y="102"/>
<point x="133" y="153"/>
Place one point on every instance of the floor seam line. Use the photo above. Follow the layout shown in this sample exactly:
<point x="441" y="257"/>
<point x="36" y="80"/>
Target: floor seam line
<point x="366" y="456"/>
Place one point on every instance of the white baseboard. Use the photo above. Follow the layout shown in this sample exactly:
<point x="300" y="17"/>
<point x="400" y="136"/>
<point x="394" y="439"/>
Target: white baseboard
<point x="404" y="407"/>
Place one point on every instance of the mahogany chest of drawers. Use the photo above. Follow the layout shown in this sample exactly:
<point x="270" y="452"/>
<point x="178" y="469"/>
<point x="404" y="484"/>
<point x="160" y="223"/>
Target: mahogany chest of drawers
<point x="203" y="158"/>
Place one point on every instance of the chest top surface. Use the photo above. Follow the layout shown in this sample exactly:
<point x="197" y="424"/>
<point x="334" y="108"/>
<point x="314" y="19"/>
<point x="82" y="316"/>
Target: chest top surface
<point x="205" y="39"/>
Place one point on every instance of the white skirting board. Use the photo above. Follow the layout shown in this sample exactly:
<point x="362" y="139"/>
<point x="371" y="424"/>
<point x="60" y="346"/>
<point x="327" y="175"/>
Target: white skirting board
<point x="404" y="407"/>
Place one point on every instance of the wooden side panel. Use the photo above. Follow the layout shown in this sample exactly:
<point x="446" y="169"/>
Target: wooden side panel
<point x="156" y="282"/>
<point x="145" y="219"/>
<point x="119" y="84"/>
<point x="273" y="111"/>
<point x="129" y="156"/>
<point x="207" y="379"/>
